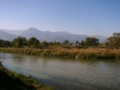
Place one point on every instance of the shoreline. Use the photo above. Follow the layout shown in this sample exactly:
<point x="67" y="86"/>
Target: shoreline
<point x="10" y="80"/>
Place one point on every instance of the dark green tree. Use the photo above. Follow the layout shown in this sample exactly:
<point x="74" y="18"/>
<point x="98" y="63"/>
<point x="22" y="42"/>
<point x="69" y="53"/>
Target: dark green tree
<point x="83" y="43"/>
<point x="57" y="43"/>
<point x="92" y="41"/>
<point x="77" y="42"/>
<point x="1" y="42"/>
<point x="66" y="42"/>
<point x="50" y="43"/>
<point x="5" y="43"/>
<point x="17" y="42"/>
<point x="44" y="43"/>
<point x="24" y="41"/>
<point x="33" y="42"/>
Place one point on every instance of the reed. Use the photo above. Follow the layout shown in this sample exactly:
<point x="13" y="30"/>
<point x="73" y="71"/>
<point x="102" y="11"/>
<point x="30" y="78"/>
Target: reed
<point x="89" y="53"/>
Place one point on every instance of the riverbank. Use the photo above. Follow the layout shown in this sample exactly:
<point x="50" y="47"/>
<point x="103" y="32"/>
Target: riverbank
<point x="69" y="53"/>
<point x="13" y="81"/>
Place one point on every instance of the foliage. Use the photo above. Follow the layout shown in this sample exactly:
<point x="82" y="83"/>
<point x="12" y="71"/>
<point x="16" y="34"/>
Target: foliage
<point x="83" y="43"/>
<point x="4" y="43"/>
<point x="77" y="42"/>
<point x="44" y="43"/>
<point x="24" y="41"/>
<point x="19" y="42"/>
<point x="50" y="43"/>
<point x="56" y="43"/>
<point x="33" y="42"/>
<point x="66" y="42"/>
<point x="114" y="41"/>
<point x="92" y="41"/>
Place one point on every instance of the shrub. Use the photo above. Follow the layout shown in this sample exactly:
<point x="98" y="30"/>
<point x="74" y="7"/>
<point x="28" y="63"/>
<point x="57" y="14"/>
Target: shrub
<point x="46" y="53"/>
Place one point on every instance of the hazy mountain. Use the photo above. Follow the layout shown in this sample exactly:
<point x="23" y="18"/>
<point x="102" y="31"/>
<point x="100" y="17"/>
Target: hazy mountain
<point x="15" y="32"/>
<point x="52" y="36"/>
<point x="31" y="32"/>
<point x="6" y="36"/>
<point x="100" y="37"/>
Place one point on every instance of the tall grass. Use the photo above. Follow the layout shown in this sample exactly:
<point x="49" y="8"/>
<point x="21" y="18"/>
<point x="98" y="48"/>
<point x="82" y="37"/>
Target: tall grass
<point x="72" y="53"/>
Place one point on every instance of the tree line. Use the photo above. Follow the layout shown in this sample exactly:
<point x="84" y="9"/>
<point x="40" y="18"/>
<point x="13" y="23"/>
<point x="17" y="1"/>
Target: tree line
<point x="19" y="42"/>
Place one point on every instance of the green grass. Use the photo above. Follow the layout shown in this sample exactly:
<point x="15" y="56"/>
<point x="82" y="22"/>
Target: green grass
<point x="13" y="81"/>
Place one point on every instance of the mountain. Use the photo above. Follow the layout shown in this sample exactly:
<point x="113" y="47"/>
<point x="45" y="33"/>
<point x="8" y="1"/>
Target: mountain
<point x="31" y="32"/>
<point x="15" y="32"/>
<point x="6" y="36"/>
<point x="51" y="36"/>
<point x="100" y="37"/>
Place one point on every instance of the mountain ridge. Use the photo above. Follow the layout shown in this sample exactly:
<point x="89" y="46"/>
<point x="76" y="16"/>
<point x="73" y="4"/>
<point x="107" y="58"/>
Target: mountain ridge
<point x="6" y="36"/>
<point x="48" y="36"/>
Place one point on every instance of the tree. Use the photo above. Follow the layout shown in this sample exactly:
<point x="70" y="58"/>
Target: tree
<point x="5" y="43"/>
<point x="83" y="43"/>
<point x="66" y="42"/>
<point x="92" y="41"/>
<point x="17" y="42"/>
<point x="24" y="41"/>
<point x="33" y="42"/>
<point x="50" y="43"/>
<point x="12" y="44"/>
<point x="44" y="43"/>
<point x="77" y="42"/>
<point x="114" y="41"/>
<point x="105" y="44"/>
<point x="57" y="43"/>
<point x="1" y="42"/>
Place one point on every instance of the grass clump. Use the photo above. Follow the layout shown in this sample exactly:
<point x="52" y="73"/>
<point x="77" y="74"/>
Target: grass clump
<point x="46" y="53"/>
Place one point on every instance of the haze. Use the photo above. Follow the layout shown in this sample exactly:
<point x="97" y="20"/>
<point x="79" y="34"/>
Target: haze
<point x="89" y="17"/>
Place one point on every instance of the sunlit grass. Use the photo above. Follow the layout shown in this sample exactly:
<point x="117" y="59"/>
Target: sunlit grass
<point x="90" y="53"/>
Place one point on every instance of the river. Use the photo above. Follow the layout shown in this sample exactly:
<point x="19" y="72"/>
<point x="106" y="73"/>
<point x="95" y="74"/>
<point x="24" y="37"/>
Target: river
<point x="66" y="74"/>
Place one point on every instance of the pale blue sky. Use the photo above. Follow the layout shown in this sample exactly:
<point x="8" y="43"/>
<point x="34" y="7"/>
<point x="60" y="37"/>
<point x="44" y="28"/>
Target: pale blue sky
<point x="90" y="17"/>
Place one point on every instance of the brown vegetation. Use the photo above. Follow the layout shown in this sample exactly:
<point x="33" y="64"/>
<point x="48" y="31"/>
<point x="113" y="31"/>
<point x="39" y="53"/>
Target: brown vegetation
<point x="90" y="53"/>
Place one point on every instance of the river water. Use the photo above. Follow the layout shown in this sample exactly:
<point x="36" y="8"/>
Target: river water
<point x="66" y="74"/>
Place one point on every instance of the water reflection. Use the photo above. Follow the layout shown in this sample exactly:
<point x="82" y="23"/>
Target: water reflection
<point x="66" y="74"/>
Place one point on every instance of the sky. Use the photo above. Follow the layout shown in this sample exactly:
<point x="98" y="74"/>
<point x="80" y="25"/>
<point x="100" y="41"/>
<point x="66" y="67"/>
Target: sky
<point x="85" y="17"/>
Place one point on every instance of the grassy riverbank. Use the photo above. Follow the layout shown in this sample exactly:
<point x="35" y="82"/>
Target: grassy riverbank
<point x="70" y="53"/>
<point x="12" y="81"/>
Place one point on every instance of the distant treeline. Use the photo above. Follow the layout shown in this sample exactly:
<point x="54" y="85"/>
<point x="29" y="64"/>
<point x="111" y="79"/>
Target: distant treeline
<point x="21" y="42"/>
